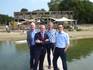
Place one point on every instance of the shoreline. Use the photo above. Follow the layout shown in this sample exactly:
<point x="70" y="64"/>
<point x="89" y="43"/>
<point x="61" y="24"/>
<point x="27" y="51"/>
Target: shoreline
<point x="16" y="36"/>
<point x="80" y="34"/>
<point x="12" y="36"/>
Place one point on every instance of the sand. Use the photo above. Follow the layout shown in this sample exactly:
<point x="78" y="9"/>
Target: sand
<point x="12" y="36"/>
<point x="22" y="36"/>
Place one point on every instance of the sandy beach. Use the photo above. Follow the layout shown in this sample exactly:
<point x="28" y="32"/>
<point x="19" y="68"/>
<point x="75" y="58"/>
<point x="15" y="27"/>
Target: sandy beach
<point x="86" y="32"/>
<point x="22" y="36"/>
<point x="81" y="34"/>
<point x="12" y="36"/>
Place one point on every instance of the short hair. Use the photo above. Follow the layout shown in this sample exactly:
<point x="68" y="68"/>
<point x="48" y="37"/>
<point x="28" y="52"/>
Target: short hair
<point x="50" y="22"/>
<point x="61" y="24"/>
<point x="33" y="23"/>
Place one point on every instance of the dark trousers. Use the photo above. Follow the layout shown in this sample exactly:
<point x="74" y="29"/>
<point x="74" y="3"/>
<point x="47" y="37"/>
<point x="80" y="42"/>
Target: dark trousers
<point x="49" y="48"/>
<point x="59" y="52"/>
<point x="39" y="57"/>
<point x="32" y="49"/>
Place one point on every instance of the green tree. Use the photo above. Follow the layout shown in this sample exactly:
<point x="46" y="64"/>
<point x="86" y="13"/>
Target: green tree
<point x="54" y="4"/>
<point x="82" y="9"/>
<point x="5" y="19"/>
<point x="24" y="10"/>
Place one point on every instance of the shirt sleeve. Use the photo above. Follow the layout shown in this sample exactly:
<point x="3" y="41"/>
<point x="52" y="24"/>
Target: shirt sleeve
<point x="67" y="39"/>
<point x="28" y="41"/>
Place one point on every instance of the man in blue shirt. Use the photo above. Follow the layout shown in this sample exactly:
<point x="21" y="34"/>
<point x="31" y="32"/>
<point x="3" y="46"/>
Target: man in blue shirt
<point x="62" y="44"/>
<point x="51" y="34"/>
<point x="31" y="43"/>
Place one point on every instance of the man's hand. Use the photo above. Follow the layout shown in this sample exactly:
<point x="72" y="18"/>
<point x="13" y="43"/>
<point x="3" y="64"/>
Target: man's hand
<point x="46" y="40"/>
<point x="38" y="41"/>
<point x="65" y="50"/>
<point x="68" y="46"/>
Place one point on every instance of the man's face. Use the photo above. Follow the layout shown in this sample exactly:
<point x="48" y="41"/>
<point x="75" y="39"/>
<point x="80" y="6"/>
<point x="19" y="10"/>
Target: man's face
<point x="32" y="26"/>
<point x="50" y="25"/>
<point x="42" y="28"/>
<point x="60" y="27"/>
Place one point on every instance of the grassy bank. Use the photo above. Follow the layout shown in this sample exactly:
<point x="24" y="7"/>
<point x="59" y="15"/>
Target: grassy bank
<point x="80" y="48"/>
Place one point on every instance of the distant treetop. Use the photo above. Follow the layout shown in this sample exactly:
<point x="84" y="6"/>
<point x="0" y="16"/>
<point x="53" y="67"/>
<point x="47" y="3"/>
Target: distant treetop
<point x="24" y="10"/>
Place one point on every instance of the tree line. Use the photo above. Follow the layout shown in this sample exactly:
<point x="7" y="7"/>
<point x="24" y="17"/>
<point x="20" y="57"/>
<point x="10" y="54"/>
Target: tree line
<point x="82" y="9"/>
<point x="5" y="19"/>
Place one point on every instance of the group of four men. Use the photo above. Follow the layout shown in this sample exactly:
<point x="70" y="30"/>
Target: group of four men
<point x="45" y="40"/>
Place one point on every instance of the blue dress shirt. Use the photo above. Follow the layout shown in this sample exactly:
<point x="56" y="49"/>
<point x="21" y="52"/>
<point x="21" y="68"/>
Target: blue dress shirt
<point x="32" y="34"/>
<point x="62" y="39"/>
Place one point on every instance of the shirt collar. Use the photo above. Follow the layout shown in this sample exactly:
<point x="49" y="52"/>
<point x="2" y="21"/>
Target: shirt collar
<point x="32" y="30"/>
<point x="61" y="32"/>
<point x="42" y="32"/>
<point x="49" y="30"/>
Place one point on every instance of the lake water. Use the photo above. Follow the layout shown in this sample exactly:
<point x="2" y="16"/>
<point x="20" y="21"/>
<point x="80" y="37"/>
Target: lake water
<point x="82" y="64"/>
<point x="13" y="57"/>
<point x="16" y="56"/>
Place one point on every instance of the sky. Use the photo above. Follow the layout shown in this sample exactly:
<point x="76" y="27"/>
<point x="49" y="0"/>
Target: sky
<point x="8" y="7"/>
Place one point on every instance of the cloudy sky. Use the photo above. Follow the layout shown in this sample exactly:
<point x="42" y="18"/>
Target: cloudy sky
<point x="9" y="6"/>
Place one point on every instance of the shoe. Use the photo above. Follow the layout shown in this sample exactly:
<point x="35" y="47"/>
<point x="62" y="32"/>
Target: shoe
<point x="41" y="69"/>
<point x="56" y="68"/>
<point x="31" y="69"/>
<point x="49" y="67"/>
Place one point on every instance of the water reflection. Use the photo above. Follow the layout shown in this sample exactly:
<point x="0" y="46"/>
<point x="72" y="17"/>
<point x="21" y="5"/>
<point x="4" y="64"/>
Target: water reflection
<point x="82" y="64"/>
<point x="6" y="48"/>
<point x="81" y="48"/>
<point x="11" y="58"/>
<point x="16" y="56"/>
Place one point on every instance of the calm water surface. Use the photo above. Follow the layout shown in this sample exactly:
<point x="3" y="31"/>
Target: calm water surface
<point x="16" y="56"/>
<point x="13" y="57"/>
